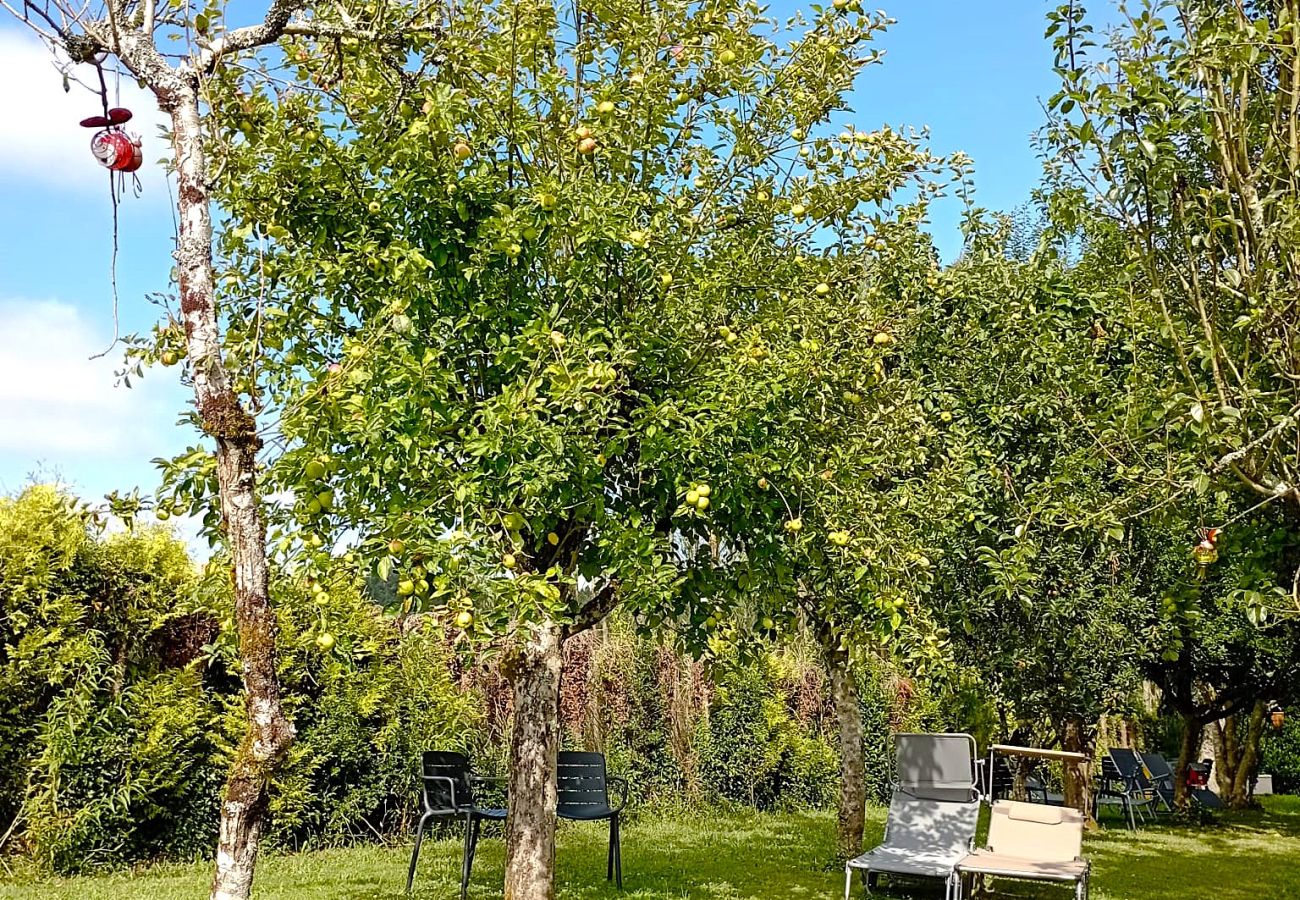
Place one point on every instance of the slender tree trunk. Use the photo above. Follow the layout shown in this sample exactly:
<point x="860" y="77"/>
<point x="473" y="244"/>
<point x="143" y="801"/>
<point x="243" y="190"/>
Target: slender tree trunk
<point x="1076" y="737"/>
<point x="1242" y="795"/>
<point x="535" y="674"/>
<point x="853" y="770"/>
<point x="1236" y="755"/>
<point x="269" y="734"/>
<point x="1187" y="753"/>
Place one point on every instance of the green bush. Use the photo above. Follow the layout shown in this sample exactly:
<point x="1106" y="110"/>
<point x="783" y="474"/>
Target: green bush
<point x="754" y="751"/>
<point x="1279" y="755"/>
<point x="123" y="704"/>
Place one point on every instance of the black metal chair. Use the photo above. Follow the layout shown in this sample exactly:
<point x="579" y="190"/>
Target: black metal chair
<point x="584" y="796"/>
<point x="447" y="788"/>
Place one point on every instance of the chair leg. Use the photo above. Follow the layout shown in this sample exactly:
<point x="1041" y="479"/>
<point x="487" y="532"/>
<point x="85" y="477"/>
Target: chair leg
<point x="618" y="852"/>
<point x="415" y="854"/>
<point x="473" y="847"/>
<point x="609" y="862"/>
<point x="466" y="857"/>
<point x="848" y="880"/>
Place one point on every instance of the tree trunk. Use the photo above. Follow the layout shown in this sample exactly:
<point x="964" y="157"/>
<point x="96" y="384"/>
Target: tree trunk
<point x="534" y="673"/>
<point x="1076" y="778"/>
<point x="1242" y="795"/>
<point x="1223" y="735"/>
<point x="853" y="770"/>
<point x="1236" y="755"/>
<point x="269" y="734"/>
<point x="1187" y="753"/>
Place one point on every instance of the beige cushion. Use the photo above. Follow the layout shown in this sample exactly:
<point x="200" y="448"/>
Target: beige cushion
<point x="1035" y="831"/>
<point x="1018" y="866"/>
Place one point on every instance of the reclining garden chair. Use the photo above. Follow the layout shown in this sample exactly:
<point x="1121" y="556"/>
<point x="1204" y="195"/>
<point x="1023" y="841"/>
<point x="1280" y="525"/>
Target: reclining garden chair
<point x="1162" y="782"/>
<point x="447" y="789"/>
<point x="1124" y="781"/>
<point x="1032" y="842"/>
<point x="932" y="814"/>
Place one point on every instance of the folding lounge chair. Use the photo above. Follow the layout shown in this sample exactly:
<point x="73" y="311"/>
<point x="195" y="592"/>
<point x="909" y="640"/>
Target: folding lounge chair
<point x="1162" y="778"/>
<point x="1124" y="781"/>
<point x="923" y="839"/>
<point x="932" y="813"/>
<point x="1031" y="842"/>
<point x="1162" y="782"/>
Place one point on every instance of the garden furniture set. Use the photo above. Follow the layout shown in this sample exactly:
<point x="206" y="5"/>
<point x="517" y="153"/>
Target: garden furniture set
<point x="448" y="793"/>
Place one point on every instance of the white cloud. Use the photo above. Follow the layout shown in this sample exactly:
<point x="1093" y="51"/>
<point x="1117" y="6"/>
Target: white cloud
<point x="39" y="128"/>
<point x="58" y="404"/>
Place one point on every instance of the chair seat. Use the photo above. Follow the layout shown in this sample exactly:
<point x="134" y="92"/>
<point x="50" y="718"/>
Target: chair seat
<point x="479" y="812"/>
<point x="900" y="861"/>
<point x="991" y="863"/>
<point x="585" y="813"/>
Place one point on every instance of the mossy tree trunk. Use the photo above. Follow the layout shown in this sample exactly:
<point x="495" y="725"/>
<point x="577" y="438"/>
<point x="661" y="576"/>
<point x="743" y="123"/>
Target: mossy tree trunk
<point x="853" y="774"/>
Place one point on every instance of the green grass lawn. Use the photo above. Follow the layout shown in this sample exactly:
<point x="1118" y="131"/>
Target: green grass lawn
<point x="735" y="856"/>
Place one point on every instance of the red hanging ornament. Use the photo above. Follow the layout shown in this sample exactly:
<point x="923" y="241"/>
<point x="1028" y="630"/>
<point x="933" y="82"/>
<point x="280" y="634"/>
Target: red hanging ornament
<point x="113" y="146"/>
<point x="1207" y="551"/>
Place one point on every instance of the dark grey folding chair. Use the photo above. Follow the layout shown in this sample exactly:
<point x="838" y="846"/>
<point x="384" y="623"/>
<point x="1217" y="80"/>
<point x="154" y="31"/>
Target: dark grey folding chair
<point x="1124" y="782"/>
<point x="584" y="797"/>
<point x="447" y="788"/>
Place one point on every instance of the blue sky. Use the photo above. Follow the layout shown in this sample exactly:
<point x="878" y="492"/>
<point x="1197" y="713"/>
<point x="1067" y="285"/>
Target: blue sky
<point x="975" y="71"/>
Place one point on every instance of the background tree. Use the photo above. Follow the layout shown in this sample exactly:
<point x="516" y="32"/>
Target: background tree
<point x="181" y="54"/>
<point x="1183" y="126"/>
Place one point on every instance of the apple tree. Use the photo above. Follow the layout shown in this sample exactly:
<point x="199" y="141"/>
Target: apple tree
<point x="184" y="54"/>
<point x="487" y="289"/>
<point x="834" y="485"/>
<point x="1180" y="129"/>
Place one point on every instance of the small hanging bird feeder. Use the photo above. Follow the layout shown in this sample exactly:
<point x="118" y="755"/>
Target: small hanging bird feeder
<point x="113" y="146"/>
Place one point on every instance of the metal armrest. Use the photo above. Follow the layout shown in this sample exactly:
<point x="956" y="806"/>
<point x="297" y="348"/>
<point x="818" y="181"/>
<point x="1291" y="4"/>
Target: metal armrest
<point x="451" y="783"/>
<point x="623" y="782"/>
<point x="497" y="783"/>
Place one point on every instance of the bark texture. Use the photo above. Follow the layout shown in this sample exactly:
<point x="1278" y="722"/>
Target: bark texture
<point x="534" y="674"/>
<point x="853" y="775"/>
<point x="269" y="734"/>
<point x="1187" y="753"/>
<point x="1077" y="737"/>
<point x="1236" y="755"/>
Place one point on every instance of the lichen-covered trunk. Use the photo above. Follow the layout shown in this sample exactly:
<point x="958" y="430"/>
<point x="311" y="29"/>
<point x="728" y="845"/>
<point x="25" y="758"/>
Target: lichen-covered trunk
<point x="1076" y="777"/>
<point x="853" y="775"/>
<point x="534" y="742"/>
<point x="269" y="732"/>
<point x="1187" y="752"/>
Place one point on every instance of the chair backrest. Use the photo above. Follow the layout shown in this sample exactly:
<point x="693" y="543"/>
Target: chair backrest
<point x="436" y="766"/>
<point x="1130" y="767"/>
<point x="936" y="766"/>
<point x="931" y="825"/>
<point x="1158" y="767"/>
<point x="1034" y="831"/>
<point x="581" y="780"/>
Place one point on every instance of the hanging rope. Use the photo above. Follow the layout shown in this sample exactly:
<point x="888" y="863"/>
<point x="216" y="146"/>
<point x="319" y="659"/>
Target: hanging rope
<point x="113" y="199"/>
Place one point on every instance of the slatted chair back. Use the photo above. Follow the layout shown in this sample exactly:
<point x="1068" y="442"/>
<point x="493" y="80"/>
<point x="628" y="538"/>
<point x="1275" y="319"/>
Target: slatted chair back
<point x="443" y="774"/>
<point x="582" y="782"/>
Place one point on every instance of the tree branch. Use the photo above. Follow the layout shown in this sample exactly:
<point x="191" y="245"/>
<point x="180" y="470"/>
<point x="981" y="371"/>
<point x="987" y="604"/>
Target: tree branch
<point x="268" y="31"/>
<point x="594" y="610"/>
